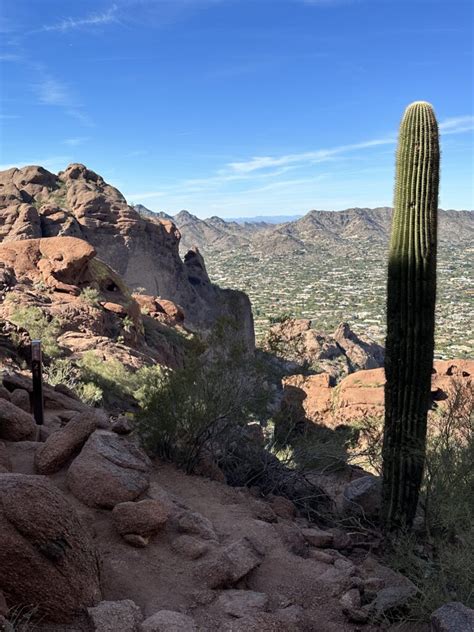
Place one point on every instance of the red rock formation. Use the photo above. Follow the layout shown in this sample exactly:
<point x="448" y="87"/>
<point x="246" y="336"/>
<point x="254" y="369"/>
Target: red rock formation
<point x="360" y="394"/>
<point x="143" y="251"/>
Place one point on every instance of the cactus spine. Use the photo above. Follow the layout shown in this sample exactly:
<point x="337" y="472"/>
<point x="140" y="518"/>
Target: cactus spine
<point x="411" y="295"/>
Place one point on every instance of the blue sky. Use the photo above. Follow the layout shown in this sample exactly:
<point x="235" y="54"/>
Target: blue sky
<point x="236" y="107"/>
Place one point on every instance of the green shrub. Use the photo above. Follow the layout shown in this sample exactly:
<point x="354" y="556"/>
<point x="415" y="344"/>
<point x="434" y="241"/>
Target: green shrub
<point x="40" y="327"/>
<point x="186" y="409"/>
<point x="90" y="295"/>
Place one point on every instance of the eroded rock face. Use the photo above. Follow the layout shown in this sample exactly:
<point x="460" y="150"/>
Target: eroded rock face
<point x="299" y="346"/>
<point x="46" y="555"/>
<point x="109" y="470"/>
<point x="143" y="250"/>
<point x="361" y="394"/>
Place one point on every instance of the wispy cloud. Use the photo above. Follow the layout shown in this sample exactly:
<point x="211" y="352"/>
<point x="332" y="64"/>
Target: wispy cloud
<point x="457" y="125"/>
<point x="53" y="92"/>
<point x="319" y="155"/>
<point x="10" y="57"/>
<point x="93" y="19"/>
<point x="74" y="142"/>
<point x="50" y="91"/>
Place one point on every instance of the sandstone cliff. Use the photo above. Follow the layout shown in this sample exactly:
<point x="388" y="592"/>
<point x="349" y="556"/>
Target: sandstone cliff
<point x="144" y="251"/>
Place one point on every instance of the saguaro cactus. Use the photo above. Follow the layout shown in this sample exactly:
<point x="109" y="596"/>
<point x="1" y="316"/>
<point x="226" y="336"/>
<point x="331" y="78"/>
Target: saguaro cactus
<point x="411" y="295"/>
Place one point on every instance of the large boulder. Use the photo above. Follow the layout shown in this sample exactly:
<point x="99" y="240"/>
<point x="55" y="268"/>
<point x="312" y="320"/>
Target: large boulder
<point x="15" y="423"/>
<point x="109" y="470"/>
<point x="61" y="445"/>
<point x="363" y="497"/>
<point x="452" y="617"/>
<point x="144" y="518"/>
<point x="47" y="558"/>
<point x="230" y="565"/>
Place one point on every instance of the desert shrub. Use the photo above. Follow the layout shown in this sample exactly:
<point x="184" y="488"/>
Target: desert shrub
<point x="439" y="556"/>
<point x="189" y="409"/>
<point x="96" y="381"/>
<point x="39" y="326"/>
<point x="280" y="318"/>
<point x="90" y="295"/>
<point x="116" y="382"/>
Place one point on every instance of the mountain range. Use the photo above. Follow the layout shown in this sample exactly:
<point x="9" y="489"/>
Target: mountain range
<point x="350" y="230"/>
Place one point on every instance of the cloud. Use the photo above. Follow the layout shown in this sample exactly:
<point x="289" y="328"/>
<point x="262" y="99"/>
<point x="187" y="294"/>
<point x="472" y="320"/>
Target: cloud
<point x="457" y="125"/>
<point x="10" y="57"/>
<point x="74" y="142"/>
<point x="53" y="92"/>
<point x="93" y="19"/>
<point x="319" y="155"/>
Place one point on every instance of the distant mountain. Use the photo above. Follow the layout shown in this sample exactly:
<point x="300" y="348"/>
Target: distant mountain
<point x="266" y="219"/>
<point x="348" y="231"/>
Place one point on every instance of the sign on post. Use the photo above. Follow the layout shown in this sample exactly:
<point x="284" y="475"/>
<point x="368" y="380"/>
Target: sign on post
<point x="37" y="373"/>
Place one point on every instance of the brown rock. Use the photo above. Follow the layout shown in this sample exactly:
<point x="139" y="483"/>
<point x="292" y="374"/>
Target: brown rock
<point x="283" y="507"/>
<point x="15" y="423"/>
<point x="3" y="605"/>
<point x="452" y="617"/>
<point x="138" y="541"/>
<point x="4" y="393"/>
<point x="145" y="517"/>
<point x="190" y="547"/>
<point x="109" y="470"/>
<point x="42" y="537"/>
<point x="240" y="603"/>
<point x="186" y="521"/>
<point x="112" y="616"/>
<point x="230" y="565"/>
<point x="168" y="621"/>
<point x="318" y="538"/>
<point x="21" y="398"/>
<point x="61" y="445"/>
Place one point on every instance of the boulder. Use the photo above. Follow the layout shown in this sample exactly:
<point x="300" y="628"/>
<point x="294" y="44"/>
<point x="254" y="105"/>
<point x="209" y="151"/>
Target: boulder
<point x="168" y="621"/>
<point x="186" y="521"/>
<point x="318" y="538"/>
<point x="363" y="497"/>
<point x="61" y="445"/>
<point x="189" y="546"/>
<point x="452" y="617"/>
<point x="392" y="599"/>
<point x="21" y="398"/>
<point x="109" y="470"/>
<point x="229" y="565"/>
<point x="240" y="603"/>
<point x="144" y="518"/>
<point x="46" y="555"/>
<point x="112" y="616"/>
<point x="15" y="423"/>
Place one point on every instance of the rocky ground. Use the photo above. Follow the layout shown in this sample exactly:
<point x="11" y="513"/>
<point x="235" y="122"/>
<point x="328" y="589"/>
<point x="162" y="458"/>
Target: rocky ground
<point x="89" y="522"/>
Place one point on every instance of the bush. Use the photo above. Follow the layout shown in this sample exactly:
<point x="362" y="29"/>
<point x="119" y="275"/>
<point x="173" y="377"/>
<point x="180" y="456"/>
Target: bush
<point x="96" y="381"/>
<point x="90" y="295"/>
<point x="40" y="327"/>
<point x="187" y="409"/>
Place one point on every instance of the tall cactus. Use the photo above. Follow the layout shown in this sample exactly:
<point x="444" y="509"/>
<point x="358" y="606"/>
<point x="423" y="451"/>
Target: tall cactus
<point x="411" y="295"/>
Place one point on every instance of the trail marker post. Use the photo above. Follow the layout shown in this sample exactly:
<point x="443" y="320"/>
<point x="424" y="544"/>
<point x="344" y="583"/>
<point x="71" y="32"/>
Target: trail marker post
<point x="37" y="373"/>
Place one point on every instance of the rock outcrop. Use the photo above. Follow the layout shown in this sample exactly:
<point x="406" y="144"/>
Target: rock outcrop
<point x="298" y="346"/>
<point x="360" y="394"/>
<point x="46" y="555"/>
<point x="144" y="251"/>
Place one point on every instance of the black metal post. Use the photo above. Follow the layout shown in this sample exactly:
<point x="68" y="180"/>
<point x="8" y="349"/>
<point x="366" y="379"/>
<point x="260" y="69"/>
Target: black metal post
<point x="37" y="373"/>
